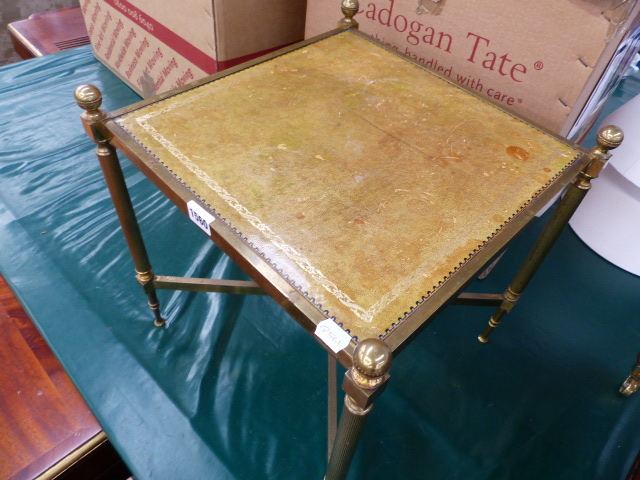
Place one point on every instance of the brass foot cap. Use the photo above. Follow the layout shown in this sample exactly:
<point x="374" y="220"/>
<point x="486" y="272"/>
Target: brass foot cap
<point x="629" y="387"/>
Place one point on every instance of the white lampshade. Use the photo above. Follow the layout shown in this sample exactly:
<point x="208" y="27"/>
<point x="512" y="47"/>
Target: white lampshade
<point x="608" y="220"/>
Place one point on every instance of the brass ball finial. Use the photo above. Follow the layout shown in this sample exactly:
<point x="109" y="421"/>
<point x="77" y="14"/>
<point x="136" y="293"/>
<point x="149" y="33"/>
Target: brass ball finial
<point x="349" y="9"/>
<point x="610" y="137"/>
<point x="372" y="358"/>
<point x="88" y="97"/>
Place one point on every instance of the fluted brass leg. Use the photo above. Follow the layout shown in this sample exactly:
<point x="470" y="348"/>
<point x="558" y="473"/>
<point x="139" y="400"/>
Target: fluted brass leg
<point x="632" y="382"/>
<point x="608" y="139"/>
<point x="332" y="403"/>
<point x="350" y="429"/>
<point x="363" y="383"/>
<point x="550" y="234"/>
<point x="89" y="98"/>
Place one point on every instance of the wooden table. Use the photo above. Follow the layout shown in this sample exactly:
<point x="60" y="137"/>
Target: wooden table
<point x="47" y="429"/>
<point x="358" y="189"/>
<point x="49" y="32"/>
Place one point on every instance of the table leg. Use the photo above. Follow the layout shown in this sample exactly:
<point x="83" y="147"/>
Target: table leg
<point x="89" y="98"/>
<point x="124" y="208"/>
<point x="350" y="428"/>
<point x="332" y="403"/>
<point x="608" y="138"/>
<point x="363" y="383"/>
<point x="632" y="382"/>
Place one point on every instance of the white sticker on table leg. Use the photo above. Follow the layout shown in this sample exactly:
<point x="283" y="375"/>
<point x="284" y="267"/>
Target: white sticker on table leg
<point x="332" y="335"/>
<point x="200" y="216"/>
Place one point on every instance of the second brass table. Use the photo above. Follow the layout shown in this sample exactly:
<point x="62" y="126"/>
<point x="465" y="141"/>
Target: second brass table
<point x="358" y="189"/>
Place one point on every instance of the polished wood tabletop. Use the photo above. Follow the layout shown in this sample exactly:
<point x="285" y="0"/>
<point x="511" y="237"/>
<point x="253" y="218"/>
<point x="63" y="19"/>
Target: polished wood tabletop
<point x="46" y="429"/>
<point x="49" y="32"/>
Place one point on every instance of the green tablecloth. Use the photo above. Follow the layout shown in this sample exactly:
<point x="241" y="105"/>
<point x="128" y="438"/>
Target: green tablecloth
<point x="232" y="388"/>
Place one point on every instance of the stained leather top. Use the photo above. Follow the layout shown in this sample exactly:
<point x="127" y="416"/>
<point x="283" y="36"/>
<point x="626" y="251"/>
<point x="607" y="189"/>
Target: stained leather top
<point x="360" y="177"/>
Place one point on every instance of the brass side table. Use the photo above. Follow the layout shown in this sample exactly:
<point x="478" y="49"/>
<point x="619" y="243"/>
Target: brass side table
<point x="357" y="188"/>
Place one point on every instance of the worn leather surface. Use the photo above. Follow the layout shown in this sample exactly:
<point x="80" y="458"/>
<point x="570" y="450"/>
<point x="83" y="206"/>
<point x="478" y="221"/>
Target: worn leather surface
<point x="233" y="388"/>
<point x="362" y="179"/>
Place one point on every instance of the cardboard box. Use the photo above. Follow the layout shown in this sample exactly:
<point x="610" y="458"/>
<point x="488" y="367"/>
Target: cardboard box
<point x="155" y="46"/>
<point x="544" y="59"/>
